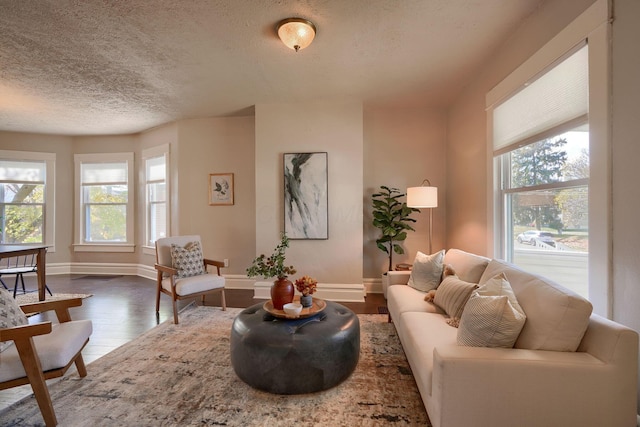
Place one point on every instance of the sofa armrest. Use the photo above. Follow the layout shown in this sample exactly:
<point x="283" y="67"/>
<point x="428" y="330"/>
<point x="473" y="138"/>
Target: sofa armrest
<point x="514" y="386"/>
<point x="398" y="277"/>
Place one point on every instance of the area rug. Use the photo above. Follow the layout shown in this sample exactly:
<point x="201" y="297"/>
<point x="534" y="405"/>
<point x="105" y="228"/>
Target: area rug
<point x="32" y="297"/>
<point x="181" y="375"/>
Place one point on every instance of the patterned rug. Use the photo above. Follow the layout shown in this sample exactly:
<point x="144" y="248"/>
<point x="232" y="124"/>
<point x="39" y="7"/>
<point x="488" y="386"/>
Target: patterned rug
<point x="181" y="375"/>
<point x="31" y="297"/>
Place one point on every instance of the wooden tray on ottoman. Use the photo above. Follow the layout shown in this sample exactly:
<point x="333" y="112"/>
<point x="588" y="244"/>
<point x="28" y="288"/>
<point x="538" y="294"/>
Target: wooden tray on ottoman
<point x="316" y="307"/>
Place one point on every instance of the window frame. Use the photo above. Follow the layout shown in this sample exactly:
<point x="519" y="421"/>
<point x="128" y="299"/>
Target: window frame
<point x="148" y="154"/>
<point x="81" y="245"/>
<point x="49" y="160"/>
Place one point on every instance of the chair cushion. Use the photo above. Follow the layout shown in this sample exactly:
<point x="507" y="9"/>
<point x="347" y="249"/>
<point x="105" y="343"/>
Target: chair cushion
<point x="427" y="271"/>
<point x="187" y="260"/>
<point x="55" y="349"/>
<point x="195" y="284"/>
<point x="11" y="315"/>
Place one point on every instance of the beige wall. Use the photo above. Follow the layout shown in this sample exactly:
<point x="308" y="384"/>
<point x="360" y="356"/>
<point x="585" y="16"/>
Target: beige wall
<point x="402" y="148"/>
<point x="216" y="145"/>
<point x="335" y="128"/>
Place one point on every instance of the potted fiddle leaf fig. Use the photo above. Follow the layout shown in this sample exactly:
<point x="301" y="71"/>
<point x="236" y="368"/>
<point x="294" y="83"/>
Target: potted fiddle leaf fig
<point x="392" y="216"/>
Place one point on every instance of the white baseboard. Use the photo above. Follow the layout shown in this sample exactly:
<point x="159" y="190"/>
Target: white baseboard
<point x="345" y="292"/>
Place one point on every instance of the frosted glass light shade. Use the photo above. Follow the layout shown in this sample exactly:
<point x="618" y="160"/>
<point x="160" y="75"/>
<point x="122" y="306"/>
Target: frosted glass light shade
<point x="296" y="33"/>
<point x="422" y="197"/>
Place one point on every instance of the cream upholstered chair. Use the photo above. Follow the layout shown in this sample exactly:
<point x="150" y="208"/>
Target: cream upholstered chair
<point x="182" y="271"/>
<point x="34" y="353"/>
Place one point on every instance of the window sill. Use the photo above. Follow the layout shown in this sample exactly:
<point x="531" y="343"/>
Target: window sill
<point x="104" y="247"/>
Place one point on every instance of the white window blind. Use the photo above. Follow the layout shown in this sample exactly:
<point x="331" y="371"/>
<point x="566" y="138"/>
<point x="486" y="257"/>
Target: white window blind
<point x="11" y="170"/>
<point x="94" y="173"/>
<point x="556" y="97"/>
<point x="156" y="168"/>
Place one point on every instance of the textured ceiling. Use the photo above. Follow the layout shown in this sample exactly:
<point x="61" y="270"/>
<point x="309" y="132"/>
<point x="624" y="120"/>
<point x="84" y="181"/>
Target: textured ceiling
<point x="108" y="67"/>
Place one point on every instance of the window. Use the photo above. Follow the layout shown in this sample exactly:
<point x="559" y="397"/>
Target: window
<point x="104" y="196"/>
<point x="26" y="197"/>
<point x="157" y="208"/>
<point x="541" y="152"/>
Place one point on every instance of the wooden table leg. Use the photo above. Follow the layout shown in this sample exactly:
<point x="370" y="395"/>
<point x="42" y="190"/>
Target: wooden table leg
<point x="41" y="272"/>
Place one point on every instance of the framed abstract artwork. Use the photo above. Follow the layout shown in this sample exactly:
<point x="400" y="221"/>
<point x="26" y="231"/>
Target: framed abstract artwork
<point x="306" y="196"/>
<point x="220" y="189"/>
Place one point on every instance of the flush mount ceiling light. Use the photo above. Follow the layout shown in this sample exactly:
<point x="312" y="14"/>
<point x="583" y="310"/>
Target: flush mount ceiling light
<point x="296" y="33"/>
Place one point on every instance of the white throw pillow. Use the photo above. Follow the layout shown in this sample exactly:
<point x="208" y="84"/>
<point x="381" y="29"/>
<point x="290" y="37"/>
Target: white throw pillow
<point x="11" y="315"/>
<point x="427" y="271"/>
<point x="492" y="317"/>
<point x="187" y="260"/>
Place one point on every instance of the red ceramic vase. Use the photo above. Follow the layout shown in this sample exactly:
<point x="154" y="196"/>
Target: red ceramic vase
<point x="281" y="293"/>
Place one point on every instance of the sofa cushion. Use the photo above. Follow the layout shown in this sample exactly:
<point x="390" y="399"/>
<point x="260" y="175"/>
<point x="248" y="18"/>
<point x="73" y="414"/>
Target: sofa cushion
<point x="452" y="295"/>
<point x="422" y="333"/>
<point x="469" y="267"/>
<point x="427" y="271"/>
<point x="492" y="317"/>
<point x="557" y="318"/>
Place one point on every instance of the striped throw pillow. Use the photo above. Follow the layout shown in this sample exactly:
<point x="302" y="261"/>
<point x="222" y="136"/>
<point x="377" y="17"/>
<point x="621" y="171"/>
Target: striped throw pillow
<point x="492" y="316"/>
<point x="452" y="296"/>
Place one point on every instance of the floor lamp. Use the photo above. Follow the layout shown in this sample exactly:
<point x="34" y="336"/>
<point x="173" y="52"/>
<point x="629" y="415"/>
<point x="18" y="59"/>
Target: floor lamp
<point x="424" y="196"/>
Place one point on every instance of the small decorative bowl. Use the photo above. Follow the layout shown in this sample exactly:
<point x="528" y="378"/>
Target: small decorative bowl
<point x="292" y="309"/>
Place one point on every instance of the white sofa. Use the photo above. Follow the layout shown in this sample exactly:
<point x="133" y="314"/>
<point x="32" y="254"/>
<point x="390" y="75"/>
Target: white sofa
<point x="539" y="382"/>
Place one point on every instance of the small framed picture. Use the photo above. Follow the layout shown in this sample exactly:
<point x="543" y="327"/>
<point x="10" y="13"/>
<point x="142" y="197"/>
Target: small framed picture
<point x="220" y="189"/>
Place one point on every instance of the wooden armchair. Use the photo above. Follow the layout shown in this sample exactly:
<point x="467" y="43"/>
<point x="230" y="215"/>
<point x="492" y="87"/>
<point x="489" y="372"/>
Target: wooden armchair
<point x="183" y="273"/>
<point x="43" y="351"/>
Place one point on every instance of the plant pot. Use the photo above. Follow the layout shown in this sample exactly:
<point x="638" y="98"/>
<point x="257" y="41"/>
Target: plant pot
<point x="306" y="300"/>
<point x="281" y="293"/>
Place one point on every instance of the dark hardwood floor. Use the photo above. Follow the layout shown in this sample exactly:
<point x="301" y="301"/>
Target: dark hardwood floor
<point x="123" y="307"/>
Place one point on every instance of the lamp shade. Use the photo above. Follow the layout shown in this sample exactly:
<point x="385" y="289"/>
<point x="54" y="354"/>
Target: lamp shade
<point x="422" y="197"/>
<point x="296" y="33"/>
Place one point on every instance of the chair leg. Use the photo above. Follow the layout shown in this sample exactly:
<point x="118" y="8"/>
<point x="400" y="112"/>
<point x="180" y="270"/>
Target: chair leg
<point x="3" y="284"/>
<point x="158" y="298"/>
<point x="15" y="286"/>
<point x="175" y="311"/>
<point x="80" y="366"/>
<point x="48" y="290"/>
<point x="33" y="369"/>
<point x="224" y="302"/>
<point x="24" y="290"/>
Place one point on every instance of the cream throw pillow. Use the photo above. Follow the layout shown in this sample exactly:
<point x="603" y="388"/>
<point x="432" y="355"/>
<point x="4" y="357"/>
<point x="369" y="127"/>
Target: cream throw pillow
<point x="11" y="315"/>
<point x="427" y="271"/>
<point x="492" y="316"/>
<point x="452" y="296"/>
<point x="187" y="260"/>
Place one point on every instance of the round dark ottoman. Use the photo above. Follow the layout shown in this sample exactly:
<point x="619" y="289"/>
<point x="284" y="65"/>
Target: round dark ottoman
<point x="295" y="356"/>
